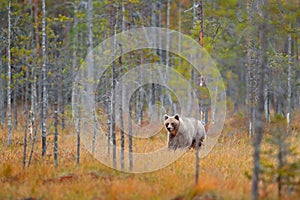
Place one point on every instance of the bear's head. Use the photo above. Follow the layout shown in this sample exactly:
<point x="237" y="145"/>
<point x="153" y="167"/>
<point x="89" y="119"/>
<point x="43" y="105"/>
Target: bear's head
<point x="172" y="123"/>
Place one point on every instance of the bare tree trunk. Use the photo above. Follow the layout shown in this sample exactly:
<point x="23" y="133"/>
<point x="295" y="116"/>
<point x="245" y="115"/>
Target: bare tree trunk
<point x="159" y="36"/>
<point x="78" y="124"/>
<point x="61" y="98"/>
<point x="33" y="75"/>
<point x="78" y="129"/>
<point x="288" y="114"/>
<point x="9" y="125"/>
<point x="15" y="104"/>
<point x="2" y="96"/>
<point x="91" y="61"/>
<point x="179" y="28"/>
<point x="249" y="83"/>
<point x="130" y="140"/>
<point x="257" y="138"/>
<point x="130" y="115"/>
<point x="75" y="63"/>
<point x="280" y="162"/>
<point x="44" y="77"/>
<point x="32" y="146"/>
<point x="122" y="95"/>
<point x="113" y="81"/>
<point x="168" y="41"/>
<point x="121" y="116"/>
<point x="55" y="142"/>
<point x="25" y="144"/>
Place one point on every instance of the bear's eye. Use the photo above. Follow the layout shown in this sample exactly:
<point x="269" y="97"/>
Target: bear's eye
<point x="167" y="124"/>
<point x="172" y="124"/>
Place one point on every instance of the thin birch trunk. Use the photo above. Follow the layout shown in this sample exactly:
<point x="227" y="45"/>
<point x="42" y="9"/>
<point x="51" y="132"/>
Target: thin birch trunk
<point x="32" y="145"/>
<point x="33" y="75"/>
<point x="78" y="124"/>
<point x="75" y="67"/>
<point x="130" y="140"/>
<point x="288" y="115"/>
<point x="91" y="62"/>
<point x="249" y="83"/>
<point x="179" y="30"/>
<point x="15" y="105"/>
<point x="44" y="77"/>
<point x="167" y="42"/>
<point x="78" y="129"/>
<point x="113" y="82"/>
<point x="2" y="96"/>
<point x="9" y="125"/>
<point x="25" y="145"/>
<point x="122" y="95"/>
<point x="197" y="168"/>
<point x="55" y="140"/>
<point x="130" y="114"/>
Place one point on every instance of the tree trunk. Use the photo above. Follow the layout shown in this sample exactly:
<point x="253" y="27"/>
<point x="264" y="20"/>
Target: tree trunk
<point x="44" y="79"/>
<point x="78" y="124"/>
<point x="167" y="42"/>
<point x="55" y="142"/>
<point x="15" y="104"/>
<point x="2" y="96"/>
<point x="113" y="82"/>
<point x="130" y="140"/>
<point x="257" y="138"/>
<point x="34" y="46"/>
<point x="91" y="62"/>
<point x="122" y="95"/>
<point x="288" y="114"/>
<point x="75" y="68"/>
<point x="25" y="145"/>
<point x="249" y="83"/>
<point x="9" y="125"/>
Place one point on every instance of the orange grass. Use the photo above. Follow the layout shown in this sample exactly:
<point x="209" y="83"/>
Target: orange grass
<point x="222" y="172"/>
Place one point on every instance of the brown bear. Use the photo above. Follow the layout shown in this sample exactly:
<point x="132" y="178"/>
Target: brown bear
<point x="183" y="131"/>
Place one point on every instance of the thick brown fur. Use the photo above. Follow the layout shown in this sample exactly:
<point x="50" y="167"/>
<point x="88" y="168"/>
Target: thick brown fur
<point x="183" y="132"/>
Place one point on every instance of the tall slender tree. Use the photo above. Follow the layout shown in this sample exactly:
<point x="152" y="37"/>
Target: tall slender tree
<point x="121" y="102"/>
<point x="258" y="134"/>
<point x="249" y="83"/>
<point x="44" y="83"/>
<point x="289" y="84"/>
<point x="2" y="95"/>
<point x="9" y="125"/>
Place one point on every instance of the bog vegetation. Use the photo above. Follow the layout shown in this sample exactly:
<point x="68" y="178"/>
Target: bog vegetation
<point x="255" y="44"/>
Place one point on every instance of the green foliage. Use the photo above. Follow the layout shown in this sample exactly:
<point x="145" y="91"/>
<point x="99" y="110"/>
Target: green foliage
<point x="280" y="160"/>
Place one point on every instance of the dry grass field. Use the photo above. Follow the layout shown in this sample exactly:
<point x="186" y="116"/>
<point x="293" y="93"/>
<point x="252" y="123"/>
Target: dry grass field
<point x="222" y="172"/>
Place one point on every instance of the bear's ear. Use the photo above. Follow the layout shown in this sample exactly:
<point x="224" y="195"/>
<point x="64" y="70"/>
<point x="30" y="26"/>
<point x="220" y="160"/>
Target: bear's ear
<point x="166" y="117"/>
<point x="176" y="117"/>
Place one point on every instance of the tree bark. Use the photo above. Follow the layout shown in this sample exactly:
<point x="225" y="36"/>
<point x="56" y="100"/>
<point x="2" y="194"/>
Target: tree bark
<point x="288" y="114"/>
<point x="113" y="82"/>
<point x="44" y="79"/>
<point x="9" y="125"/>
<point x="15" y="104"/>
<point x="55" y="142"/>
<point x="25" y="145"/>
<point x="2" y="96"/>
<point x="257" y="138"/>
<point x="249" y="83"/>
<point x="121" y="102"/>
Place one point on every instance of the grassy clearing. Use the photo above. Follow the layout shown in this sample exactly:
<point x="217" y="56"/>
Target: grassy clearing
<point x="222" y="172"/>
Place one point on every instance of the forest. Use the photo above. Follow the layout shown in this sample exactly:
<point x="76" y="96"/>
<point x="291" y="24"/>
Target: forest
<point x="85" y="85"/>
